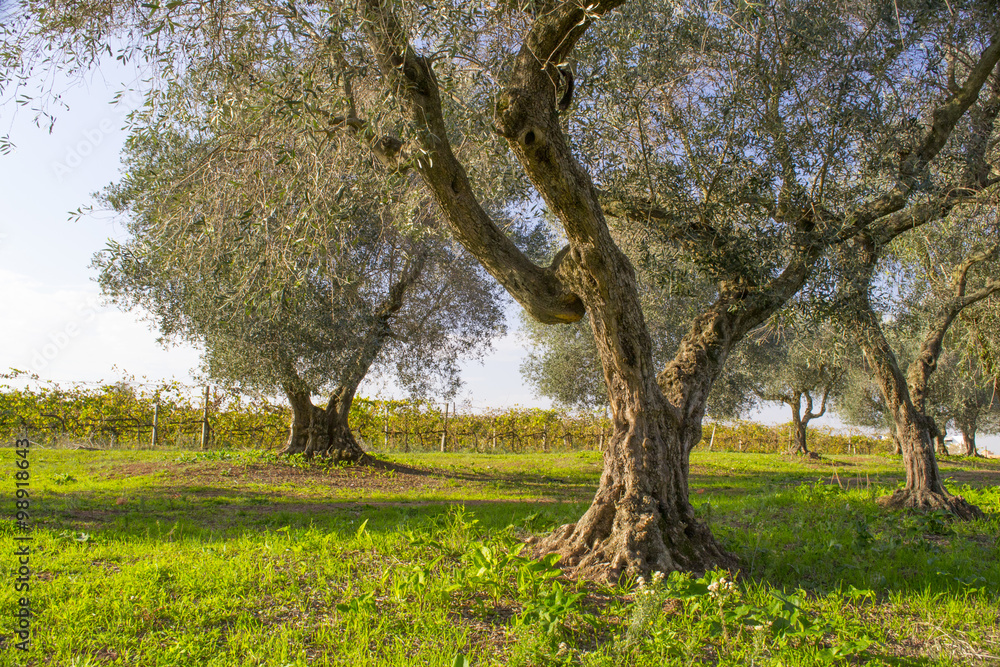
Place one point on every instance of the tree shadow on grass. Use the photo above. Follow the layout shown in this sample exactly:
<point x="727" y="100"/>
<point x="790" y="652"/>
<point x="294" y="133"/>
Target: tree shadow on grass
<point x="225" y="512"/>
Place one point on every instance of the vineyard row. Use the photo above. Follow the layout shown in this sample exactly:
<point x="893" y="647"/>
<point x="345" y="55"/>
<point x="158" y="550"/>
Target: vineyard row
<point x="126" y="416"/>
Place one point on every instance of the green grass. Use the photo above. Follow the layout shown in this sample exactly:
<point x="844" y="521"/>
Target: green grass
<point x="235" y="558"/>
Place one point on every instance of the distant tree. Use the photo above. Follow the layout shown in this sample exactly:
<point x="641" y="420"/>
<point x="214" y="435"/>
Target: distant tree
<point x="960" y="394"/>
<point x="296" y="268"/>
<point x="800" y="366"/>
<point x="962" y="272"/>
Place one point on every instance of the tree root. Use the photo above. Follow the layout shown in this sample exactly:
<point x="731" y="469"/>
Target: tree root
<point x="354" y="456"/>
<point x="926" y="501"/>
<point x="607" y="545"/>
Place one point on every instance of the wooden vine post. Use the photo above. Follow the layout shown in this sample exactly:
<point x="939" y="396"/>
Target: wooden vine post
<point x="385" y="423"/>
<point x="204" y="422"/>
<point x="444" y="433"/>
<point x="156" y="424"/>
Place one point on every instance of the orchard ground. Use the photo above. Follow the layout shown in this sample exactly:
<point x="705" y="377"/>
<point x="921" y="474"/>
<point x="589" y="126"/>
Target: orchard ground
<point x="241" y="558"/>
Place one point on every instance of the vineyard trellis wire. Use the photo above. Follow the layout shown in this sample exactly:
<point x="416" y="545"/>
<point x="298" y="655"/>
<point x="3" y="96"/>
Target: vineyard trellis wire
<point x="171" y="415"/>
<point x="134" y="414"/>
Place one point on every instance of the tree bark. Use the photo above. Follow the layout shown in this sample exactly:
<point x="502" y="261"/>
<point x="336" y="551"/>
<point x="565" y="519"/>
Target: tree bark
<point x="325" y="432"/>
<point x="798" y="445"/>
<point x="941" y="445"/>
<point x="897" y="442"/>
<point x="303" y="416"/>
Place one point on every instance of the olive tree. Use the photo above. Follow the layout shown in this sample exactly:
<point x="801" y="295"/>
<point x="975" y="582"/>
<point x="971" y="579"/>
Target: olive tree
<point x="747" y="139"/>
<point x="801" y="366"/>
<point x="961" y="271"/>
<point x="297" y="269"/>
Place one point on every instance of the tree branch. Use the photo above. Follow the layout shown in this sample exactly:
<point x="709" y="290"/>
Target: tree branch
<point x="930" y="349"/>
<point x="944" y="118"/>
<point x="822" y="405"/>
<point x="691" y="234"/>
<point x="540" y="290"/>
<point x="917" y="215"/>
<point x="381" y="330"/>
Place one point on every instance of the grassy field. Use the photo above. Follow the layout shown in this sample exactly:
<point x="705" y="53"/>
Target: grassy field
<point x="237" y="558"/>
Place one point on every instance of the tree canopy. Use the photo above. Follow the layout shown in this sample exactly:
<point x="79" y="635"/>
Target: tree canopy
<point x="297" y="266"/>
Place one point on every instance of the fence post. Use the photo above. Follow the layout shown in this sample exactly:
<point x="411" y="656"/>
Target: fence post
<point x="712" y="440"/>
<point x="204" y="422"/>
<point x="156" y="424"/>
<point x="493" y="423"/>
<point x="545" y="436"/>
<point x="444" y="433"/>
<point x="385" y="423"/>
<point x="406" y="431"/>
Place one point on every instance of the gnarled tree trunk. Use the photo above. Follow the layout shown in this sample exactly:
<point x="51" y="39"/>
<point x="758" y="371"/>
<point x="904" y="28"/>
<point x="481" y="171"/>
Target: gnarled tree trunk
<point x="940" y="432"/>
<point x="924" y="488"/>
<point x="315" y="431"/>
<point x="897" y="442"/>
<point x="641" y="519"/>
<point x="798" y="445"/>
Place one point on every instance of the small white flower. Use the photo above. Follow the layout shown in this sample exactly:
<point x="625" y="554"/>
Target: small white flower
<point x="657" y="578"/>
<point x="640" y="582"/>
<point x="563" y="650"/>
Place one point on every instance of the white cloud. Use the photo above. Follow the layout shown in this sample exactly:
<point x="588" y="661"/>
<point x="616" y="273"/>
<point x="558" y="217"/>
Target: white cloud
<point x="65" y="334"/>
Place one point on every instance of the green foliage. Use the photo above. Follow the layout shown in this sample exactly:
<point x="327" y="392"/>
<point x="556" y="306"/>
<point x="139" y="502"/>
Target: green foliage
<point x="121" y="415"/>
<point x="552" y="608"/>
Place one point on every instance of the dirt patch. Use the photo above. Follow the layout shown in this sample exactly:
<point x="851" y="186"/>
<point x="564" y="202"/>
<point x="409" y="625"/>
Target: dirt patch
<point x="971" y="477"/>
<point x="214" y="478"/>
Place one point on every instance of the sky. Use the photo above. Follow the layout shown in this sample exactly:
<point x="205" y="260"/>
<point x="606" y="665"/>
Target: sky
<point x="55" y="322"/>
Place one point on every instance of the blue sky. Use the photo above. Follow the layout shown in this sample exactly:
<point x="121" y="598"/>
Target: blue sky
<point x="55" y="321"/>
<point x="57" y="324"/>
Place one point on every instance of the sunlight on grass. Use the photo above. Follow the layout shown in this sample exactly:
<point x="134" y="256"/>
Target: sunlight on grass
<point x="166" y="558"/>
